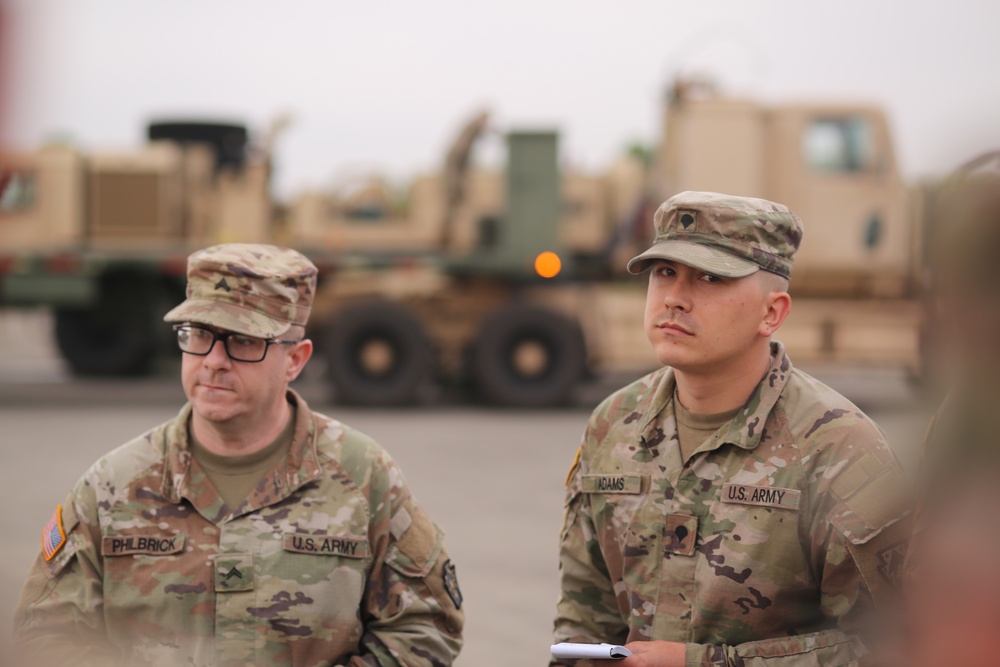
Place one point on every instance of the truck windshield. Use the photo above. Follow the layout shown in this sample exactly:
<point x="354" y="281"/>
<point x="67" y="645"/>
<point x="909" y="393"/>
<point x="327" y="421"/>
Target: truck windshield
<point x="838" y="144"/>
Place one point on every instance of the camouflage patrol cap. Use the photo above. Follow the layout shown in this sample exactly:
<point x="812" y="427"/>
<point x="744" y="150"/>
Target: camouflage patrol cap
<point x="252" y="289"/>
<point x="723" y="235"/>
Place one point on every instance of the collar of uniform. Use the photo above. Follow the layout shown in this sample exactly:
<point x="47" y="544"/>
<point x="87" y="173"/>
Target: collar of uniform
<point x="651" y="431"/>
<point x="301" y="465"/>
<point x="748" y="424"/>
<point x="177" y="456"/>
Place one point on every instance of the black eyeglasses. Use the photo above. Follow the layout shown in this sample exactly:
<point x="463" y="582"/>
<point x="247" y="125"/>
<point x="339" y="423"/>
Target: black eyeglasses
<point x="200" y="341"/>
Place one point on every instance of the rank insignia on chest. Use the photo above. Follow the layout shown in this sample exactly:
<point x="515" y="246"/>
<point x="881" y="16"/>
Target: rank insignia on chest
<point x="234" y="573"/>
<point x="680" y="534"/>
<point x="53" y="535"/>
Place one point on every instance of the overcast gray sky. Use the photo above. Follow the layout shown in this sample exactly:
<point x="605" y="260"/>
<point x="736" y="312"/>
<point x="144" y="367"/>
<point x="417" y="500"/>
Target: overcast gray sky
<point x="384" y="83"/>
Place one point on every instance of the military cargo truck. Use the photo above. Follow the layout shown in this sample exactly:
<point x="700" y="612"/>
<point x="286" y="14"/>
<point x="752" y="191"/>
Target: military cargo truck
<point x="510" y="281"/>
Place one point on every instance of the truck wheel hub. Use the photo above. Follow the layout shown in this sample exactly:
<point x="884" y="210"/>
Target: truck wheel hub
<point x="377" y="357"/>
<point x="530" y="358"/>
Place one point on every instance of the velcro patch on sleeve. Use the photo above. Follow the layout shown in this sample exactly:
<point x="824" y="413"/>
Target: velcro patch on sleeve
<point x="53" y="535"/>
<point x="881" y="561"/>
<point x="400" y="523"/>
<point x="326" y="545"/>
<point x="414" y="552"/>
<point x="451" y="583"/>
<point x="145" y="545"/>
<point x="761" y="496"/>
<point x="598" y="483"/>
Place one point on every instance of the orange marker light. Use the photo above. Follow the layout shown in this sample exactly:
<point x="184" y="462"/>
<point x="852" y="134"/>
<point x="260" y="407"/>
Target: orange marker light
<point x="548" y="264"/>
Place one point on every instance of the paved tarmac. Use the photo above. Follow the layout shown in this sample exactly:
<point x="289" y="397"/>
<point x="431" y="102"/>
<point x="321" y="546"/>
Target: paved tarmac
<point x="493" y="479"/>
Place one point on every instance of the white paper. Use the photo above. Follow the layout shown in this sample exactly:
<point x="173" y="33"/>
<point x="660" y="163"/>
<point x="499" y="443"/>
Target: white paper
<point x="570" y="651"/>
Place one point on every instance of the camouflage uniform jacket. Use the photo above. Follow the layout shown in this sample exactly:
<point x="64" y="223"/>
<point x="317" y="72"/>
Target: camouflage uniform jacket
<point x="762" y="546"/>
<point x="328" y="561"/>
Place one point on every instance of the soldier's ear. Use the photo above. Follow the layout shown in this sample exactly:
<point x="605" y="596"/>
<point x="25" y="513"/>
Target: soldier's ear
<point x="778" y="305"/>
<point x="298" y="355"/>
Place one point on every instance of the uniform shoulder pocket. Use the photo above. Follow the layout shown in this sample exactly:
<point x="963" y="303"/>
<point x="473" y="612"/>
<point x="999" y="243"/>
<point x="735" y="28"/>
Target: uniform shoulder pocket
<point x="870" y="507"/>
<point x="416" y="541"/>
<point x="874" y="520"/>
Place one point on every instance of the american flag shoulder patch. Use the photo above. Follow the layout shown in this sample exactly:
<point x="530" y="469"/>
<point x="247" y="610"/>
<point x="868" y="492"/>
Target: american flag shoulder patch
<point x="53" y="535"/>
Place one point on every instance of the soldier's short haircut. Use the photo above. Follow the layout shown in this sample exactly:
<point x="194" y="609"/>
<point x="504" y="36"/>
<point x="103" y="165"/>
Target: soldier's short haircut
<point x="771" y="282"/>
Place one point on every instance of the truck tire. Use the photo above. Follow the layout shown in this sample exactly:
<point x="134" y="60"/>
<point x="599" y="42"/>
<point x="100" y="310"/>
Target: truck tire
<point x="119" y="335"/>
<point x="377" y="354"/>
<point x="527" y="356"/>
<point x="228" y="141"/>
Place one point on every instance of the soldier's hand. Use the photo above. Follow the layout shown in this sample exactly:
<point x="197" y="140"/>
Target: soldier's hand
<point x="653" y="654"/>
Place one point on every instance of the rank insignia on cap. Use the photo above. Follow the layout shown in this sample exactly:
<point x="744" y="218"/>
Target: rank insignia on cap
<point x="53" y="535"/>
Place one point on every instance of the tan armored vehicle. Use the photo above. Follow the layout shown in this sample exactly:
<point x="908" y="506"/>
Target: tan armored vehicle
<point x="511" y="281"/>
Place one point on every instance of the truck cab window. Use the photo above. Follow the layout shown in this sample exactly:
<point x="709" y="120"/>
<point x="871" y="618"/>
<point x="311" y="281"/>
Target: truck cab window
<point x="17" y="191"/>
<point x="363" y="200"/>
<point x="838" y="145"/>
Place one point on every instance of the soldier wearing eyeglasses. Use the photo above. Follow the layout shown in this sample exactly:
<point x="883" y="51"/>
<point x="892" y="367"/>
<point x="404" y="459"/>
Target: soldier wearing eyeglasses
<point x="248" y="530"/>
